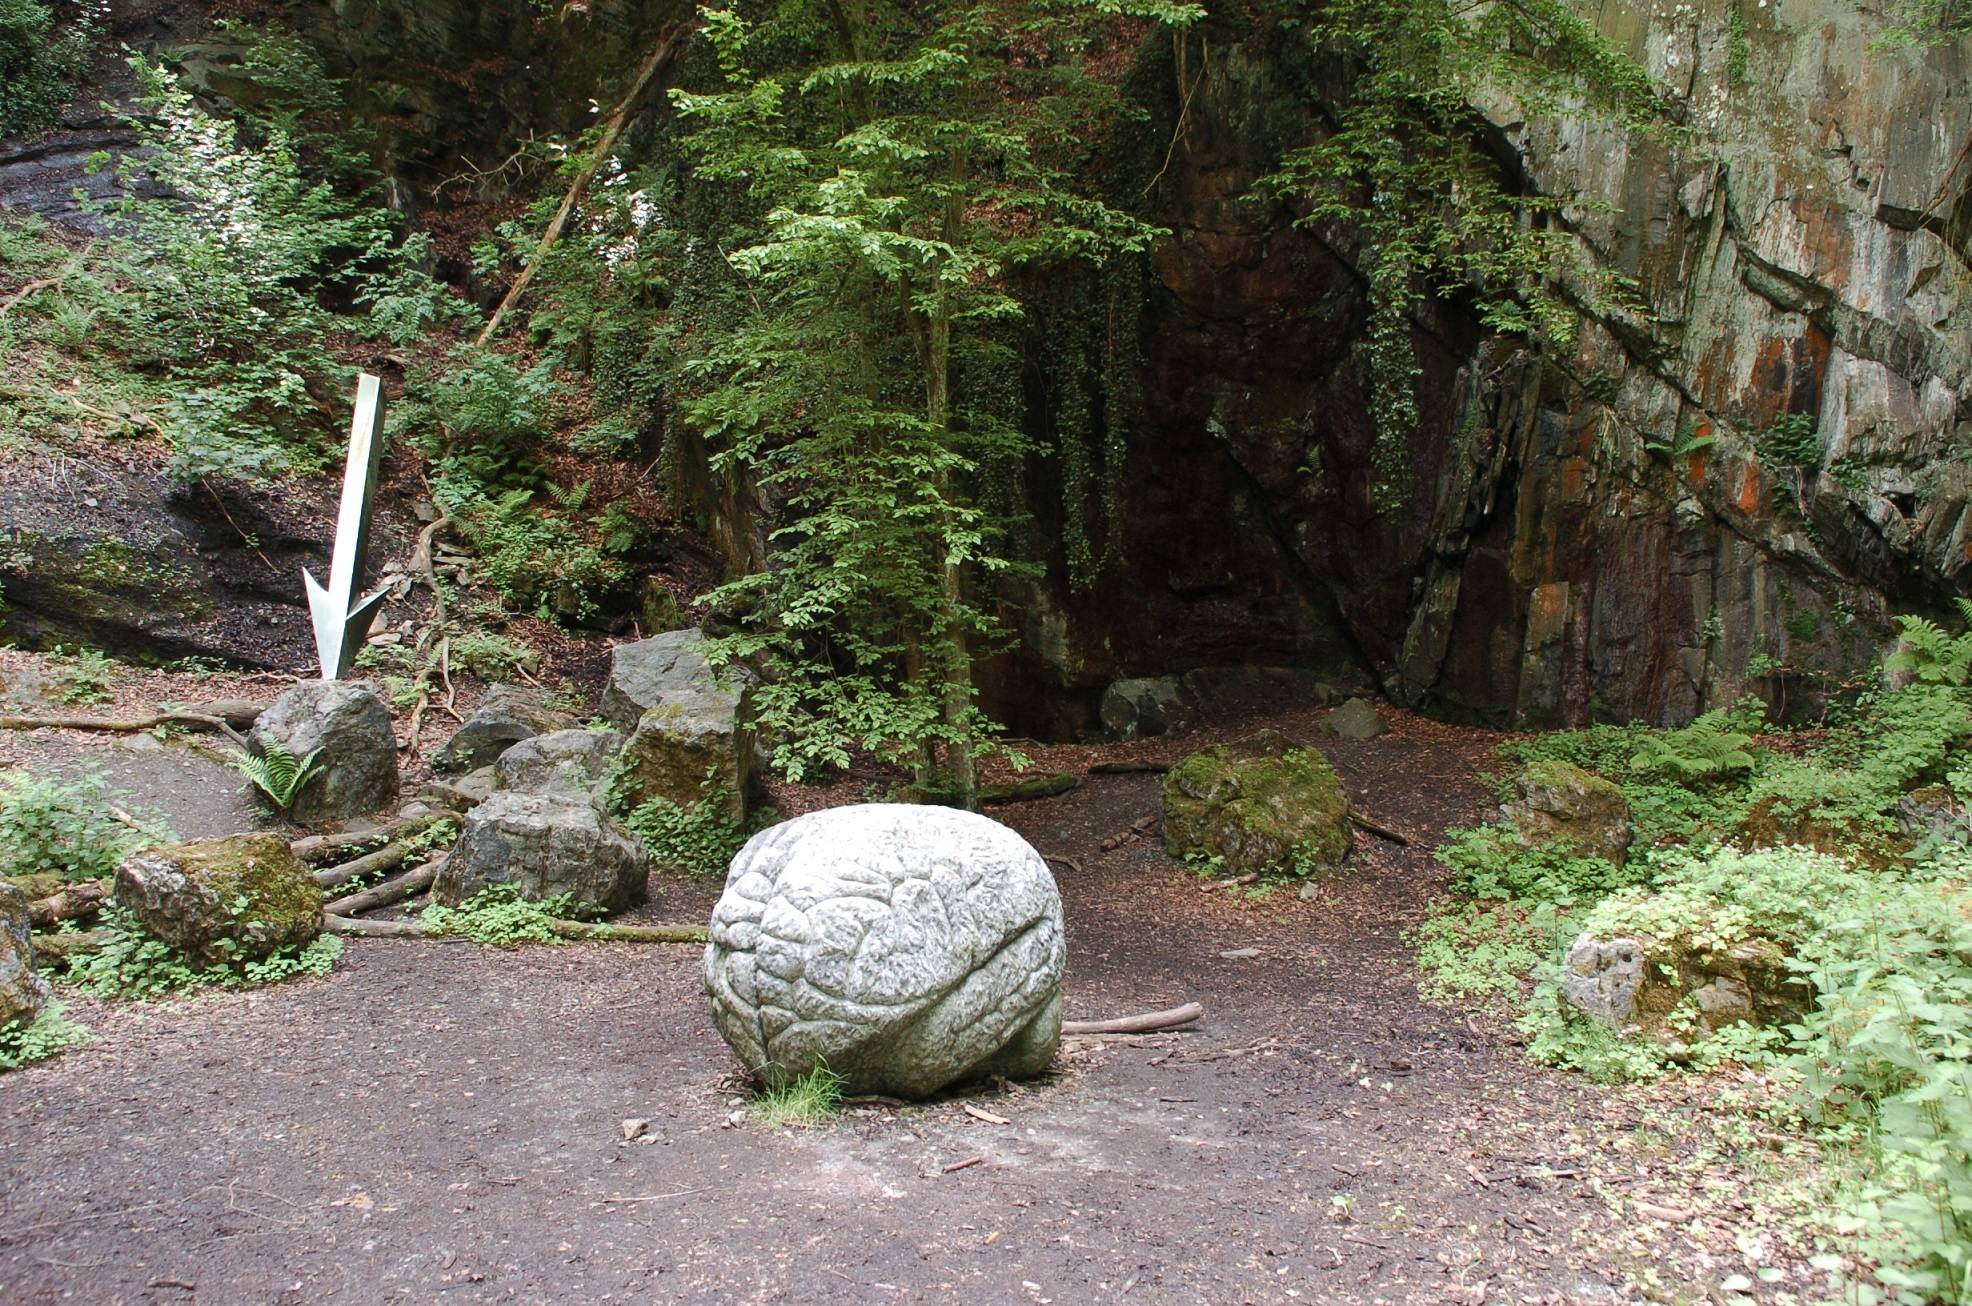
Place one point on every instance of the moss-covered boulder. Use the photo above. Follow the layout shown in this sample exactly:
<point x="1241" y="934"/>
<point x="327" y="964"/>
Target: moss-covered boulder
<point x="240" y="898"/>
<point x="1261" y="805"/>
<point x="1558" y="802"/>
<point x="22" y="990"/>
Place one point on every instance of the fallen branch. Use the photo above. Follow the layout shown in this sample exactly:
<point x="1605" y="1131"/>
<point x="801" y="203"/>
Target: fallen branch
<point x="127" y="726"/>
<point x="1024" y="791"/>
<point x="585" y="930"/>
<point x="383" y="929"/>
<point x="1380" y="831"/>
<point x="1140" y="1024"/>
<point x="63" y="946"/>
<point x="1129" y="768"/>
<point x="391" y="854"/>
<point x="579" y="184"/>
<point x="603" y="932"/>
<point x="75" y="901"/>
<point x="390" y="891"/>
<point x="317" y="846"/>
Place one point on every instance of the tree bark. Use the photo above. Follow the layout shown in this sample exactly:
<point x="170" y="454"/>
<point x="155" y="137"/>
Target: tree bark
<point x="382" y="859"/>
<point x="63" y="946"/>
<point x="317" y="846"/>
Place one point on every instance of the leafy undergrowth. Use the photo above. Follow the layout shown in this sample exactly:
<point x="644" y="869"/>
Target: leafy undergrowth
<point x="1796" y="849"/>
<point x="498" y="917"/>
<point x="132" y="963"/>
<point x="50" y="825"/>
<point x="51" y="1033"/>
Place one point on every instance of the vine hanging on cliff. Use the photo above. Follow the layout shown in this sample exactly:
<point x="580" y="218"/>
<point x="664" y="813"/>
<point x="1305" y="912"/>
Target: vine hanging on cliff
<point x="1429" y="187"/>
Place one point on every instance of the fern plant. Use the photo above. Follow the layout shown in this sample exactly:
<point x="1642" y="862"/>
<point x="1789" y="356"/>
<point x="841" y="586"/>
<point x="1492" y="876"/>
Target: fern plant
<point x="1929" y="654"/>
<point x="1707" y="749"/>
<point x="277" y="772"/>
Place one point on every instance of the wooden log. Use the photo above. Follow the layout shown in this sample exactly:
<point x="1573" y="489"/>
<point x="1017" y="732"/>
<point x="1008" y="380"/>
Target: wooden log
<point x="1382" y="832"/>
<point x="124" y="725"/>
<point x="380" y="929"/>
<point x="1129" y="768"/>
<point x="1141" y="1024"/>
<point x="77" y="900"/>
<point x="390" y="891"/>
<point x="318" y="846"/>
<point x="593" y="932"/>
<point x="604" y="932"/>
<point x="392" y="854"/>
<point x="61" y="947"/>
<point x="1023" y="791"/>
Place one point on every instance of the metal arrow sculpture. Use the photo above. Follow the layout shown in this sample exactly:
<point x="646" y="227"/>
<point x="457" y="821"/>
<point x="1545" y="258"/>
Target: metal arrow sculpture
<point x="341" y="626"/>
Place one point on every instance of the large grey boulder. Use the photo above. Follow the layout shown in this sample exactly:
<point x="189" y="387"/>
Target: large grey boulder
<point x="22" y="990"/>
<point x="1140" y="708"/>
<point x="544" y="845"/>
<point x="906" y="948"/>
<point x="241" y="898"/>
<point x="563" y="762"/>
<point x="505" y="717"/>
<point x="667" y="668"/>
<point x="356" y="768"/>
<point x="689" y="740"/>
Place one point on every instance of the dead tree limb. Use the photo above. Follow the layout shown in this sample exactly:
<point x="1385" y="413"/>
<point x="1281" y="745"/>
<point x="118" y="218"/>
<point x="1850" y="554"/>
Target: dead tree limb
<point x="1380" y="831"/>
<point x="391" y="854"/>
<point x="61" y="947"/>
<point x="579" y="185"/>
<point x="124" y="725"/>
<point x="603" y="932"/>
<point x="76" y="901"/>
<point x="317" y="846"/>
<point x="382" y="929"/>
<point x="1142" y="1024"/>
<point x="390" y="891"/>
<point x="593" y="932"/>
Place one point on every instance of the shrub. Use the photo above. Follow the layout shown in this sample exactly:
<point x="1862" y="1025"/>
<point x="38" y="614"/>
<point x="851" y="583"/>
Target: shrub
<point x="1490" y="863"/>
<point x="1931" y="655"/>
<point x="50" y="1032"/>
<point x="696" y="839"/>
<point x="53" y="826"/>
<point x="40" y="58"/>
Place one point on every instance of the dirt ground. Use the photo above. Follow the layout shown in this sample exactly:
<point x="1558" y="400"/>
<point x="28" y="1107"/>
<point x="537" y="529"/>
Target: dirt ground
<point x="439" y="1122"/>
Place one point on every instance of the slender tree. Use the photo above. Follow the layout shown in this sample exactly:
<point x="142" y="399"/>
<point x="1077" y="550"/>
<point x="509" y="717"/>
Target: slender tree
<point x="907" y="171"/>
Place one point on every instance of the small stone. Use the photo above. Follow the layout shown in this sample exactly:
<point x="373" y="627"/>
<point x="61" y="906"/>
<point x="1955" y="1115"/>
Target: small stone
<point x="634" y="1128"/>
<point x="505" y="717"/>
<point x="1355" y="719"/>
<point x="1261" y="805"/>
<point x="1139" y="709"/>
<point x="564" y="761"/>
<point x="1240" y="954"/>
<point x="1559" y="802"/>
<point x="689" y="740"/>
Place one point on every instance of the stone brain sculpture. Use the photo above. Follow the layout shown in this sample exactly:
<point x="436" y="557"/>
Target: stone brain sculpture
<point x="904" y="948"/>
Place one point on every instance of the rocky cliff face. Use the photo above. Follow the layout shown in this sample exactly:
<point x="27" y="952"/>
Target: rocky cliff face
<point x="1615" y="533"/>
